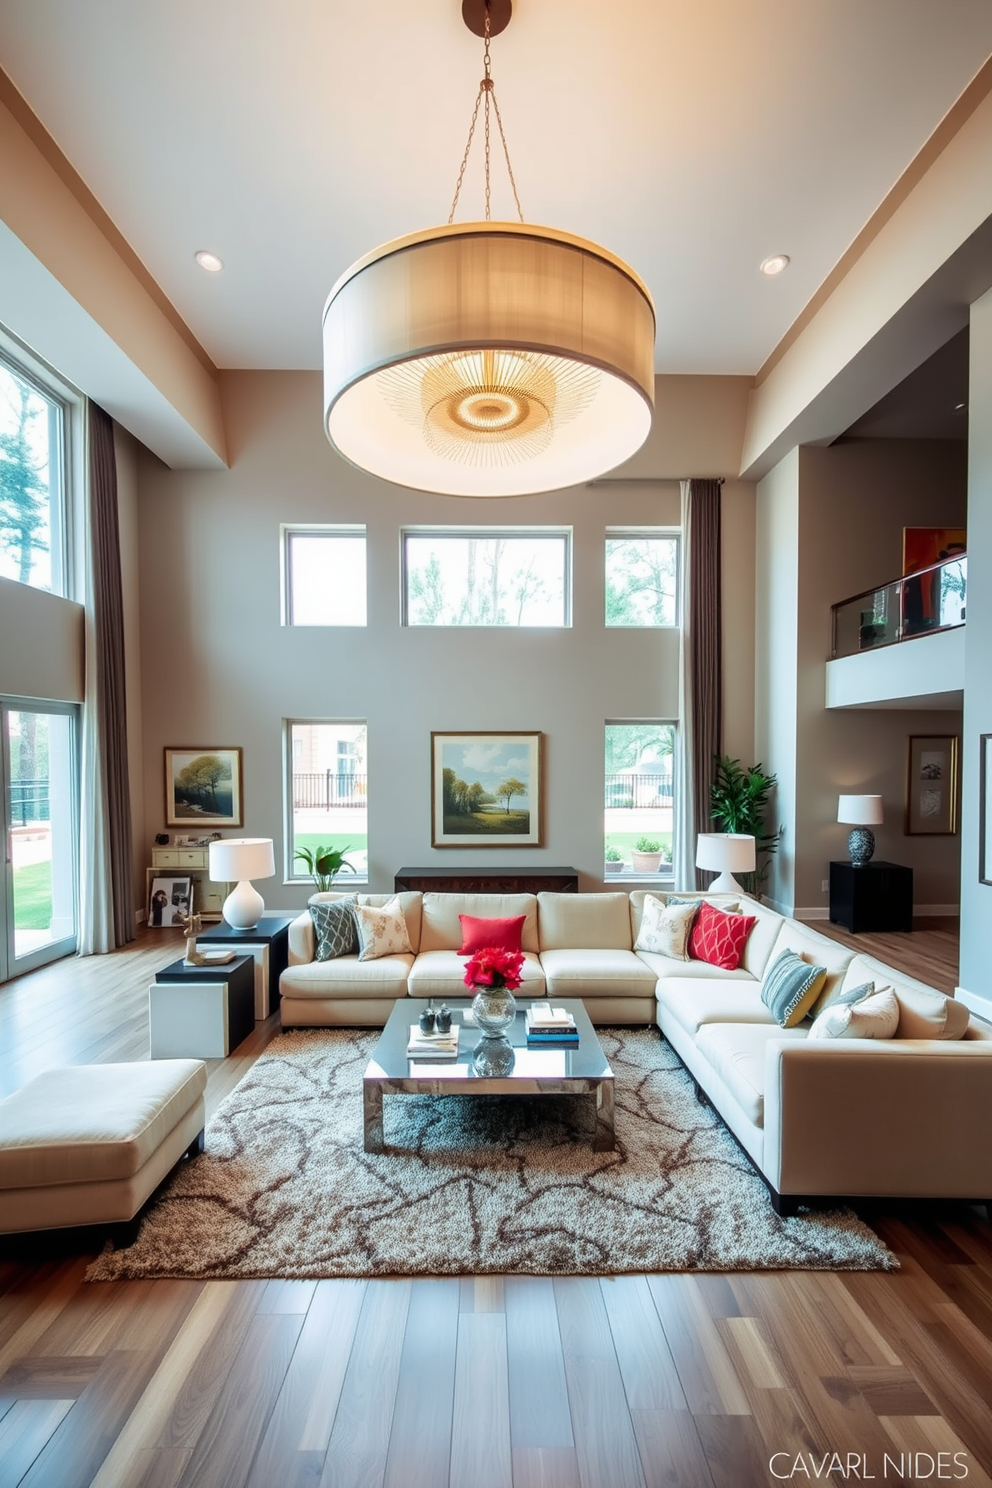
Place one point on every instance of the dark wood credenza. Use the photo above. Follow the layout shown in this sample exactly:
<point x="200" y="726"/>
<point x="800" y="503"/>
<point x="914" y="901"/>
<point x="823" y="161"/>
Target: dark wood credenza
<point x="487" y="880"/>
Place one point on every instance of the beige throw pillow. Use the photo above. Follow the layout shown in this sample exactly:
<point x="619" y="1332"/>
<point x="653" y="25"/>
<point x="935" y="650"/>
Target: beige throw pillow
<point x="874" y="1017"/>
<point x="930" y="1015"/>
<point x="381" y="932"/>
<point x="665" y="928"/>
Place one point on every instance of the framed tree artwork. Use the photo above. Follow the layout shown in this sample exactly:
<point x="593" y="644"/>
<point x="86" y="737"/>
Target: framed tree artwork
<point x="486" y="790"/>
<point x="932" y="785"/>
<point x="203" y="787"/>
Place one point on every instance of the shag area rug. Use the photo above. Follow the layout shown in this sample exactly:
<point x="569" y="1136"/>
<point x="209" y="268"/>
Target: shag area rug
<point x="467" y="1185"/>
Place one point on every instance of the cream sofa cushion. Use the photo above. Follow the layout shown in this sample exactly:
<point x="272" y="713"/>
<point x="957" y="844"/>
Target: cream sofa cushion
<point x="94" y="1122"/>
<point x="924" y="1013"/>
<point x="442" y="974"/>
<point x="668" y="966"/>
<point x="581" y="972"/>
<point x="441" y="928"/>
<point x="346" y="976"/>
<point x="736" y="1052"/>
<point x="584" y="922"/>
<point x="694" y="1003"/>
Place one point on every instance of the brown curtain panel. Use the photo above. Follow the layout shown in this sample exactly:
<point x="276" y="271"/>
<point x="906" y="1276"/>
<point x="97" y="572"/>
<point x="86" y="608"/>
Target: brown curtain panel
<point x="108" y="623"/>
<point x="705" y="653"/>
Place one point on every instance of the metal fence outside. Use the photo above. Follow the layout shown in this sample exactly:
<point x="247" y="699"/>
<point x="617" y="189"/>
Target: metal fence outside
<point x="322" y="789"/>
<point x="625" y="791"/>
<point x="29" y="802"/>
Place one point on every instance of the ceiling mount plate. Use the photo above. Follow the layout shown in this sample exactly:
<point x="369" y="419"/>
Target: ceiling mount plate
<point x="474" y="15"/>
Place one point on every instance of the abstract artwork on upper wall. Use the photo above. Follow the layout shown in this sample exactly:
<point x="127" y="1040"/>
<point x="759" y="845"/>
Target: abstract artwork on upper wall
<point x="486" y="790"/>
<point x="932" y="785"/>
<point x="923" y="546"/>
<point x="203" y="786"/>
<point x="985" y="810"/>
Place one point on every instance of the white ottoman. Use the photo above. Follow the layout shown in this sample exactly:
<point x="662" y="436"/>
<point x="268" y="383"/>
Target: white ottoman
<point x="87" y="1145"/>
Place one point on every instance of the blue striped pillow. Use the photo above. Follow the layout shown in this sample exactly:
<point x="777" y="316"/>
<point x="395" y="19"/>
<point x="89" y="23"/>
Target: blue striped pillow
<point x="790" y="987"/>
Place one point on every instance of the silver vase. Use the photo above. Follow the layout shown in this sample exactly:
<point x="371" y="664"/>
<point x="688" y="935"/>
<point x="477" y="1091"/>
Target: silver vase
<point x="494" y="1056"/>
<point x="495" y="1009"/>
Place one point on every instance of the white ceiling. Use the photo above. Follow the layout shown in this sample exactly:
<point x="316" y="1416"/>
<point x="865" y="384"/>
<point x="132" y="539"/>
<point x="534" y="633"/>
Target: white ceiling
<point x="692" y="137"/>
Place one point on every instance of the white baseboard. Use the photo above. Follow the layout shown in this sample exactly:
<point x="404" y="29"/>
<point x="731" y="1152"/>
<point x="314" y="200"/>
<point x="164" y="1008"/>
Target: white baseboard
<point x="937" y="909"/>
<point x="821" y="911"/>
<point x="777" y="906"/>
<point x="812" y="912"/>
<point x="977" y="1004"/>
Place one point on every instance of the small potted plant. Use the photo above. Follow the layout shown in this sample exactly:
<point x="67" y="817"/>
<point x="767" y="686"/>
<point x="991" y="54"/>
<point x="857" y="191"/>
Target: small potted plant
<point x="614" y="860"/>
<point x="647" y="855"/>
<point x="323" y="864"/>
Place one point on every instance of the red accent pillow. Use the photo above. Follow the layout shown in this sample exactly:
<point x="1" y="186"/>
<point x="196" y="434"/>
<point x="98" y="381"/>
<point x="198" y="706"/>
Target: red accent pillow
<point x="718" y="937"/>
<point x="479" y="935"/>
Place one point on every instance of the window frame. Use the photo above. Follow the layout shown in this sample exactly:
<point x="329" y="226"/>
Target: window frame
<point x="290" y="875"/>
<point x="66" y="462"/>
<point x="289" y="530"/>
<point x="635" y="877"/>
<point x="672" y="534"/>
<point x="488" y="533"/>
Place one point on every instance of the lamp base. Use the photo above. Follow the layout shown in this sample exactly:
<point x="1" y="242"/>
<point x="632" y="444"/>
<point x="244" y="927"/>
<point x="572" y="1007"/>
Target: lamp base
<point x="243" y="906"/>
<point x="725" y="883"/>
<point x="861" y="845"/>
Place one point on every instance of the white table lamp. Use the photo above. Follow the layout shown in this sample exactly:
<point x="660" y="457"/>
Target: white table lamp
<point x="863" y="812"/>
<point x="239" y="860"/>
<point x="725" y="853"/>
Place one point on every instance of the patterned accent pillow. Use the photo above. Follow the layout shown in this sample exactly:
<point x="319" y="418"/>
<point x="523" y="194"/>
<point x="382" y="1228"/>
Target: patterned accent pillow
<point x="665" y="928"/>
<point x="381" y="932"/>
<point x="790" y="988"/>
<point x="841" y="999"/>
<point x="479" y="934"/>
<point x="334" y="927"/>
<point x="874" y="1017"/>
<point x="719" y="938"/>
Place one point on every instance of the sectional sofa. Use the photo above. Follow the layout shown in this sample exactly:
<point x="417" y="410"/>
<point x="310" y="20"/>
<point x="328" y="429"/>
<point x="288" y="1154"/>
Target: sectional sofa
<point x="901" y="1117"/>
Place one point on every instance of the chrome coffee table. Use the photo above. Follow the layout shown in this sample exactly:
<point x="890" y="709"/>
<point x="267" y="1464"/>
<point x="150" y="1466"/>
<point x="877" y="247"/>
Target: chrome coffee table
<point x="581" y="1070"/>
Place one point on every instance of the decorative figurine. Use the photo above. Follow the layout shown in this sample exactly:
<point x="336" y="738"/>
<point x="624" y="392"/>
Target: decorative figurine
<point x="427" y="1020"/>
<point x="442" y="1020"/>
<point x="192" y="925"/>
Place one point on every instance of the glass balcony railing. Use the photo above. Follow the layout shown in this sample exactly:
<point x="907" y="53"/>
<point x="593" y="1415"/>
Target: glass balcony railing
<point x="917" y="604"/>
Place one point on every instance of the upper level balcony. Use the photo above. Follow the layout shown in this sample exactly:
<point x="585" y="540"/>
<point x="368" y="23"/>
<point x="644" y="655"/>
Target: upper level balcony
<point x="870" y="665"/>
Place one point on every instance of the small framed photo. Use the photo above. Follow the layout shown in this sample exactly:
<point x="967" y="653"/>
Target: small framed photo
<point x="169" y="900"/>
<point x="203" y="788"/>
<point x="932" y="785"/>
<point x="486" y="790"/>
<point x="985" y="809"/>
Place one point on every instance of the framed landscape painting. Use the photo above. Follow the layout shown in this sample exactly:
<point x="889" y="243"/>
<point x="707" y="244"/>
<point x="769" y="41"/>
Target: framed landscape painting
<point x="203" y="787"/>
<point x="486" y="790"/>
<point x="932" y="785"/>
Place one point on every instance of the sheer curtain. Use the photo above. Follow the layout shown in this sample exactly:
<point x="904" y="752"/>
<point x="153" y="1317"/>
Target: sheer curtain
<point x="106" y="899"/>
<point x="700" y="672"/>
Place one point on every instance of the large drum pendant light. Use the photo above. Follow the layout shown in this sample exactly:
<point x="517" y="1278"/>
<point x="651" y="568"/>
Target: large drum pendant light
<point x="488" y="358"/>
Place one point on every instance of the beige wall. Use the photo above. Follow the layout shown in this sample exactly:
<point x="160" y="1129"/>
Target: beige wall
<point x="219" y="668"/>
<point x="41" y="655"/>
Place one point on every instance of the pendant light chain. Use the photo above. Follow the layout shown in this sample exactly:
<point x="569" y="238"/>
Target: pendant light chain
<point x="488" y="88"/>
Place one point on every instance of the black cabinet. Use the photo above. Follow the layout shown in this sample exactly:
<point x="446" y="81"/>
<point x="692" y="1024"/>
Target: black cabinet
<point x="871" y="896"/>
<point x="487" y="880"/>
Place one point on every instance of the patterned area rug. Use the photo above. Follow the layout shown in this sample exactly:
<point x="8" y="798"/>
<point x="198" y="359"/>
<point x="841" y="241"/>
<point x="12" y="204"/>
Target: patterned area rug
<point x="471" y="1185"/>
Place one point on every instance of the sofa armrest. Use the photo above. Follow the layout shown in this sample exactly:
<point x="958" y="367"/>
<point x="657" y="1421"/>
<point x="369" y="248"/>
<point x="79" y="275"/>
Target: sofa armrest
<point x="899" y="1118"/>
<point x="302" y="941"/>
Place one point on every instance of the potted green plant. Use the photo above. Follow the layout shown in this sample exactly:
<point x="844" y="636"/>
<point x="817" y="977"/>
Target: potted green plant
<point x="614" y="860"/>
<point x="323" y="864"/>
<point x="646" y="855"/>
<point x="738" y="803"/>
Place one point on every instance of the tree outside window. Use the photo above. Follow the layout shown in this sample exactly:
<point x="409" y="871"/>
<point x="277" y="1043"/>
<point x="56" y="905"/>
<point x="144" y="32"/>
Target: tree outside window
<point x="641" y="579"/>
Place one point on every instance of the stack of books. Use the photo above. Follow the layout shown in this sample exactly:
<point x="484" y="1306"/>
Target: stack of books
<point x="432" y="1045"/>
<point x="549" y="1026"/>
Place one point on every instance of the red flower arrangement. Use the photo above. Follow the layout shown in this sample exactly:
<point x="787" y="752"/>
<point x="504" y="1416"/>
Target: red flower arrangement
<point x="493" y="967"/>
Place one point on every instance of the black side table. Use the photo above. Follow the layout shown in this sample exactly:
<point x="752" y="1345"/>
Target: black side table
<point x="872" y="896"/>
<point x="201" y="1012"/>
<point x="268" y="942"/>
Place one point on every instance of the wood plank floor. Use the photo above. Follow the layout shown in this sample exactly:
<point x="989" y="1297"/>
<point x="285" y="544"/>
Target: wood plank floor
<point x="688" y="1381"/>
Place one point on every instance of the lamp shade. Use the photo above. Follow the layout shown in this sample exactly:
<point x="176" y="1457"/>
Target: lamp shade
<point x="860" y="811"/>
<point x="488" y="359"/>
<point x="725" y="852"/>
<point x="236" y="859"/>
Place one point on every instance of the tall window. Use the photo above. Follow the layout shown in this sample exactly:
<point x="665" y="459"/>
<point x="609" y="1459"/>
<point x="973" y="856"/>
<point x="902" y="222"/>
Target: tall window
<point x="639" y="799"/>
<point x="324" y="576"/>
<point x="474" y="577"/>
<point x="327" y="793"/>
<point x="32" y="523"/>
<point x="642" y="578"/>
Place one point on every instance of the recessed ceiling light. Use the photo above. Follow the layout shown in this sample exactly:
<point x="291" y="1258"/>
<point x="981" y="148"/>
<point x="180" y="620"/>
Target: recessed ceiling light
<point x="775" y="264"/>
<point x="209" y="261"/>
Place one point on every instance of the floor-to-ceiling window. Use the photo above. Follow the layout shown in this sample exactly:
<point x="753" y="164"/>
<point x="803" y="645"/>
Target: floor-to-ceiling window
<point x="40" y="832"/>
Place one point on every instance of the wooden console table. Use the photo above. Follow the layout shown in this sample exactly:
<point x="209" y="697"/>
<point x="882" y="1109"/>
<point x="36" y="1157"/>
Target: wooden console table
<point x="487" y="880"/>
